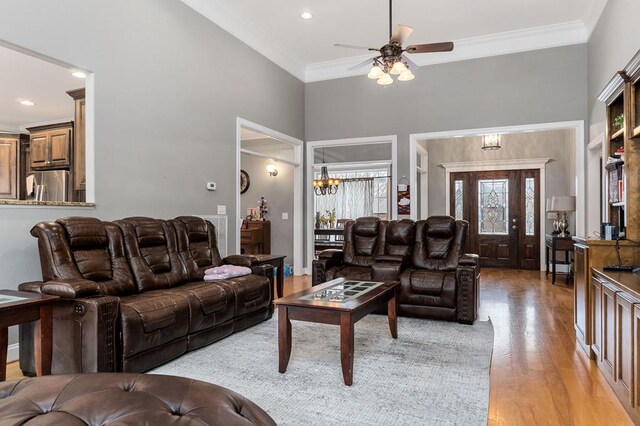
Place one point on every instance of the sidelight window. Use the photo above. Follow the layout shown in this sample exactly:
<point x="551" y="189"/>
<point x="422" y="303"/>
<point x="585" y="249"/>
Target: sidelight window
<point x="530" y="209"/>
<point x="459" y="200"/>
<point x="493" y="206"/>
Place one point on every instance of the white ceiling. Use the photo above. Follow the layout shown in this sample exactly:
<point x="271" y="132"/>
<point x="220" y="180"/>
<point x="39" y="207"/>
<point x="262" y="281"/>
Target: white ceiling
<point x="25" y="77"/>
<point x="479" y="28"/>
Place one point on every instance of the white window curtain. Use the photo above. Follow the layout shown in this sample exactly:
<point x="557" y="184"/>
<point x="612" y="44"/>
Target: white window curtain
<point x="354" y="199"/>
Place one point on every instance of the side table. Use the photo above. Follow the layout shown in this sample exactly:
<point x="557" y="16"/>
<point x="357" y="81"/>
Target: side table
<point x="19" y="307"/>
<point x="277" y="261"/>
<point x="555" y="244"/>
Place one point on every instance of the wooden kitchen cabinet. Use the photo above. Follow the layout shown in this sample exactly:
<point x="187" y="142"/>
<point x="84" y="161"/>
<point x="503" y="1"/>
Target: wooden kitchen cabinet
<point x="9" y="163"/>
<point x="51" y="146"/>
<point x="79" y="151"/>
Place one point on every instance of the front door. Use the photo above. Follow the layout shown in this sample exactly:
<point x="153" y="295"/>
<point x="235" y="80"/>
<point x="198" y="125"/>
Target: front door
<point x="503" y="211"/>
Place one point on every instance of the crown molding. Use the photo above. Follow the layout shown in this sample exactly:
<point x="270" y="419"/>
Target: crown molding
<point x="564" y="34"/>
<point x="247" y="32"/>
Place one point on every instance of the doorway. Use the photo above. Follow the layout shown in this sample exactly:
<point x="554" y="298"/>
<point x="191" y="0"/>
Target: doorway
<point x="284" y="155"/>
<point x="503" y="211"/>
<point x="349" y="155"/>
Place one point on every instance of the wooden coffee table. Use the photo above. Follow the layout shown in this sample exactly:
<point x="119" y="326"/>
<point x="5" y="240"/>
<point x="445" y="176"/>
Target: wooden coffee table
<point x="322" y="304"/>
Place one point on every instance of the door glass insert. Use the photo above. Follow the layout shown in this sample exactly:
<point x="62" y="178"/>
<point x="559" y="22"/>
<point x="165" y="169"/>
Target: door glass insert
<point x="530" y="202"/>
<point x="493" y="206"/>
<point x="459" y="199"/>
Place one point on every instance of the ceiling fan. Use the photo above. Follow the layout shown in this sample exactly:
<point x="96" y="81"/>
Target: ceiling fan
<point x="392" y="59"/>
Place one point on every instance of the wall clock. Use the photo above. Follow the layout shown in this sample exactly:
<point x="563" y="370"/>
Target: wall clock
<point x="244" y="181"/>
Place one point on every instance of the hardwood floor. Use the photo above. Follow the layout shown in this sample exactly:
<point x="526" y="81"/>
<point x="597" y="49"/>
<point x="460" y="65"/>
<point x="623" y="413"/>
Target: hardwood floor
<point x="537" y="374"/>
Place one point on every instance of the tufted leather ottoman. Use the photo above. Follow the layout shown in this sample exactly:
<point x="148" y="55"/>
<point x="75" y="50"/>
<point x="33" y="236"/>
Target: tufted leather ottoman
<point x="123" y="399"/>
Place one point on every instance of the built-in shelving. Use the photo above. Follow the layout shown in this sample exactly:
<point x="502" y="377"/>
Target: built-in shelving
<point x="621" y="152"/>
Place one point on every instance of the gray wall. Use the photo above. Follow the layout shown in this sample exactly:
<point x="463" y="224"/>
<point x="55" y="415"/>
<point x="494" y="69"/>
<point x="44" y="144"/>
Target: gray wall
<point x="166" y="108"/>
<point x="523" y="88"/>
<point x="554" y="144"/>
<point x="278" y="191"/>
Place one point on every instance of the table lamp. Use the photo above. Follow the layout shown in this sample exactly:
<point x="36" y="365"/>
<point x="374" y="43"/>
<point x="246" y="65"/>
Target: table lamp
<point x="556" y="221"/>
<point x="563" y="204"/>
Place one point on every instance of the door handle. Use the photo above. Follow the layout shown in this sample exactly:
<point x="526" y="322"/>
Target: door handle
<point x="514" y="227"/>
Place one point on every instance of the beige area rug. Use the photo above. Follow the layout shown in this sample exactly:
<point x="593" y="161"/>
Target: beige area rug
<point x="435" y="373"/>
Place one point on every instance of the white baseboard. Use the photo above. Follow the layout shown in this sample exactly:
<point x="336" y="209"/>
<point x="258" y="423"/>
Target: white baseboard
<point x="13" y="352"/>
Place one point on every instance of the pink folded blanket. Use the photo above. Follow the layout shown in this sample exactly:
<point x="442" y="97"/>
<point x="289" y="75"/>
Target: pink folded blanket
<point x="225" y="272"/>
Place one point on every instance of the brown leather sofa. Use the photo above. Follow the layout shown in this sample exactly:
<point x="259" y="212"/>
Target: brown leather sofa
<point x="133" y="292"/>
<point x="124" y="399"/>
<point x="437" y="280"/>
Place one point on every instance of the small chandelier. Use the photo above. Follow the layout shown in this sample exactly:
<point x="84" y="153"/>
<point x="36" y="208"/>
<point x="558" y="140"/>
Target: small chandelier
<point x="491" y="142"/>
<point x="325" y="185"/>
<point x="382" y="72"/>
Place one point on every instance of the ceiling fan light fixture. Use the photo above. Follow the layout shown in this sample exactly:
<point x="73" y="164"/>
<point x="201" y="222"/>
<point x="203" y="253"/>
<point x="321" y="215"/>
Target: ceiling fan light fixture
<point x="385" y="80"/>
<point x="406" y="76"/>
<point x="376" y="72"/>
<point x="398" y="68"/>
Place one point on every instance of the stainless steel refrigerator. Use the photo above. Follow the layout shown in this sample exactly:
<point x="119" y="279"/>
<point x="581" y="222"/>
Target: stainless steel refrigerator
<point x="50" y="185"/>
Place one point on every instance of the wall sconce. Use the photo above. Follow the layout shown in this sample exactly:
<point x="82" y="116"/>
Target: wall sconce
<point x="272" y="170"/>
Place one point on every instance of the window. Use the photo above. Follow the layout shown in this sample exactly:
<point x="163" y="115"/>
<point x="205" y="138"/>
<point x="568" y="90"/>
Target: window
<point x="459" y="200"/>
<point x="530" y="203"/>
<point x="361" y="192"/>
<point x="493" y="206"/>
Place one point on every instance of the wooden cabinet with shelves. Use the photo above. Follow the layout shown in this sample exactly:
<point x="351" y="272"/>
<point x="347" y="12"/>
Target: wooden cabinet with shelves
<point x="51" y="146"/>
<point x="622" y="186"/>
<point x="255" y="237"/>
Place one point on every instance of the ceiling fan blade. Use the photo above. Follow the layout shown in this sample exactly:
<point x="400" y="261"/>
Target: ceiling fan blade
<point x="401" y="34"/>
<point x="362" y="64"/>
<point x="350" y="46"/>
<point x="446" y="46"/>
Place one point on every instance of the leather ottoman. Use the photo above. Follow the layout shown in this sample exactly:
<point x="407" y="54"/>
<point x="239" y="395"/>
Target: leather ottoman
<point x="123" y="399"/>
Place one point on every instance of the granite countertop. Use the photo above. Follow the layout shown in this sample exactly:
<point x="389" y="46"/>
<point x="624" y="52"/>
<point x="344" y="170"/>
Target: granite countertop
<point x="46" y="203"/>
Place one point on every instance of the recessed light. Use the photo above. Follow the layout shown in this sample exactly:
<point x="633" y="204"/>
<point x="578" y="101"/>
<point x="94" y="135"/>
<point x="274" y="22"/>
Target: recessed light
<point x="27" y="102"/>
<point x="306" y="15"/>
<point x="79" y="74"/>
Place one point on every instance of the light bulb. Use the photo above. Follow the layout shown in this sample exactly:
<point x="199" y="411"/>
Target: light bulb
<point x="79" y="74"/>
<point x="406" y="76"/>
<point x="306" y="15"/>
<point x="375" y="73"/>
<point x="385" y="80"/>
<point x="398" y="68"/>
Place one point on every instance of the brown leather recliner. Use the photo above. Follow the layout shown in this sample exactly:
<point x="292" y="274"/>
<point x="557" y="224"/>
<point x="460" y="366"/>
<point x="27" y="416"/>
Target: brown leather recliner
<point x="364" y="239"/>
<point x="133" y="295"/>
<point x="441" y="282"/>
<point x="437" y="279"/>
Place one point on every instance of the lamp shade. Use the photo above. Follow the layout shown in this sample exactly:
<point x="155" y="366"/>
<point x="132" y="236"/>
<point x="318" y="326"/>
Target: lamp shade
<point x="549" y="209"/>
<point x="563" y="203"/>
